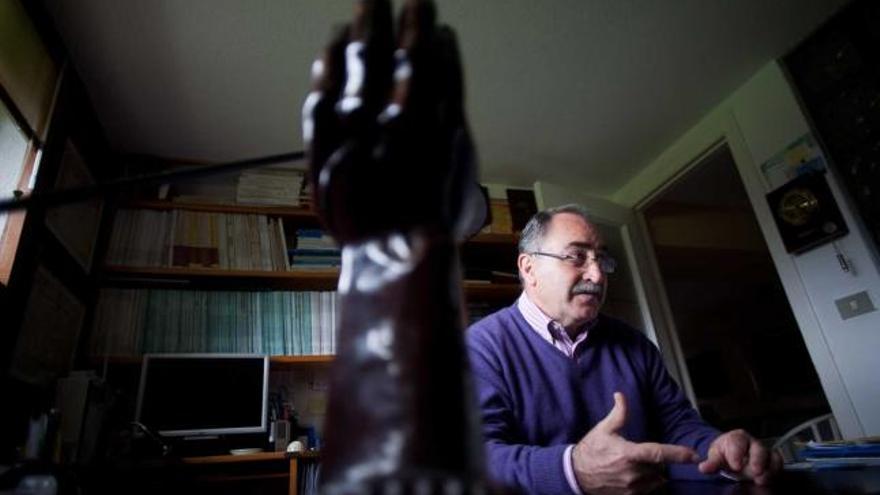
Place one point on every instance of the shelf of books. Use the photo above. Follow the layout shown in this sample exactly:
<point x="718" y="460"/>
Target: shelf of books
<point x="224" y="240"/>
<point x="132" y="322"/>
<point x="324" y="278"/>
<point x="200" y="276"/>
<point x="277" y="362"/>
<point x="136" y="321"/>
<point x="301" y="214"/>
<point x="240" y="238"/>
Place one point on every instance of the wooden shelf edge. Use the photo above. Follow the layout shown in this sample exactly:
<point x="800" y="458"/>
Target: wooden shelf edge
<point x="260" y="456"/>
<point x="229" y="458"/>
<point x="183" y="272"/>
<point x="300" y="360"/>
<point x="273" y="360"/>
<point x="292" y="212"/>
<point x="326" y="278"/>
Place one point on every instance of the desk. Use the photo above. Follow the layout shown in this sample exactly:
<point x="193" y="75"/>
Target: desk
<point x="265" y="473"/>
<point x="243" y="474"/>
<point x="842" y="482"/>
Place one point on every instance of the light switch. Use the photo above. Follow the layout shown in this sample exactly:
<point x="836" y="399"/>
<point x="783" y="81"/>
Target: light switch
<point x="854" y="305"/>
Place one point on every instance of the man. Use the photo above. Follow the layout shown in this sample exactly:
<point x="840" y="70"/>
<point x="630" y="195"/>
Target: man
<point x="573" y="401"/>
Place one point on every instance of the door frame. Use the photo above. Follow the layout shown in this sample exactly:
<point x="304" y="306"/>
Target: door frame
<point x="721" y="126"/>
<point x="663" y="310"/>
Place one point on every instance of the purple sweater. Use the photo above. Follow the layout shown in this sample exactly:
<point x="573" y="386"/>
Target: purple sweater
<point x="535" y="401"/>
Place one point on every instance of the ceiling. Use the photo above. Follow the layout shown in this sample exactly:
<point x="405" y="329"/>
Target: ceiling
<point x="577" y="92"/>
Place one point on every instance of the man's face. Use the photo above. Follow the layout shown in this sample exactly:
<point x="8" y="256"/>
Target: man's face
<point x="569" y="295"/>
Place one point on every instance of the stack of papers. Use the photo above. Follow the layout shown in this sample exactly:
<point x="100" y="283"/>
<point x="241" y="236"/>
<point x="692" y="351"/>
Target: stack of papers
<point x="269" y="187"/>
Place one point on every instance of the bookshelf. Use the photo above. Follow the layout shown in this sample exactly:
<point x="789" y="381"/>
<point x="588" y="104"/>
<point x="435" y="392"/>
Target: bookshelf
<point x="491" y="251"/>
<point x="302" y="368"/>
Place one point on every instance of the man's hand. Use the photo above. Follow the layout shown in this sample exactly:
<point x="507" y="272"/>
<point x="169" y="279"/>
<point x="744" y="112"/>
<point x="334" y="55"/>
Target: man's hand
<point x="738" y="452"/>
<point x="605" y="462"/>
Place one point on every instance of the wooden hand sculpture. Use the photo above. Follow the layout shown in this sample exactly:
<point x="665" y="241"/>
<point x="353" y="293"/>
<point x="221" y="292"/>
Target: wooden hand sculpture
<point x="394" y="181"/>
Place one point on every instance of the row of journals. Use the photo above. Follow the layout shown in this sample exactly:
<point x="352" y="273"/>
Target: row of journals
<point x="231" y="241"/>
<point x="269" y="187"/>
<point x="131" y="322"/>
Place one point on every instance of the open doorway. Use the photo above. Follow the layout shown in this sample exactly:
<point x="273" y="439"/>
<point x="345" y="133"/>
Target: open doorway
<point x="741" y="346"/>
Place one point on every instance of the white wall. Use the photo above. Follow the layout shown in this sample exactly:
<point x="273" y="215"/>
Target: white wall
<point x="758" y="120"/>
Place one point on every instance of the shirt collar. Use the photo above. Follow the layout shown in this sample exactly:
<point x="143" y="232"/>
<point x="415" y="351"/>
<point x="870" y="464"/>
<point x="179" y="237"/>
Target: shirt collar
<point x="541" y="323"/>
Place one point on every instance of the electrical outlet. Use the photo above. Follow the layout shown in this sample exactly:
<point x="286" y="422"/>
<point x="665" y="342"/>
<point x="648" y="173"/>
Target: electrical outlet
<point x="854" y="305"/>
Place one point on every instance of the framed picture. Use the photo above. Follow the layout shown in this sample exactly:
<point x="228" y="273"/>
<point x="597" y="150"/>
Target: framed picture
<point x="798" y="158"/>
<point x="805" y="213"/>
<point x="75" y="225"/>
<point x="522" y="207"/>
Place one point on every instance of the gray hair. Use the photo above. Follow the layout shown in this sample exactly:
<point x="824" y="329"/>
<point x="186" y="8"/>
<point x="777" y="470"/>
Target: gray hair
<point x="534" y="231"/>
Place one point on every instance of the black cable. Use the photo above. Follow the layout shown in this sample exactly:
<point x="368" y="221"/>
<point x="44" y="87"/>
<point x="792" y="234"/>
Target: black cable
<point x="57" y="198"/>
<point x="166" y="449"/>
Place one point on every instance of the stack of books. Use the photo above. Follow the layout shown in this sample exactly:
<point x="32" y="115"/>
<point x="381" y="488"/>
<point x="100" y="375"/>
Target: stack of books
<point x="842" y="454"/>
<point x="278" y="187"/>
<point x="314" y="249"/>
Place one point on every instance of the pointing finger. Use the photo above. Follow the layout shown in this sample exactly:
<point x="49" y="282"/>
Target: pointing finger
<point x="713" y="461"/>
<point x="659" y="453"/>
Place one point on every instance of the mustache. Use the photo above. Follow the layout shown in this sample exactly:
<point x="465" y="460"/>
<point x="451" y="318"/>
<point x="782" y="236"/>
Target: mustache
<point x="587" y="287"/>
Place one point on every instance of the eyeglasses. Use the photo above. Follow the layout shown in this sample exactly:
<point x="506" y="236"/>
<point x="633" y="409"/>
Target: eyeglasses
<point x="581" y="257"/>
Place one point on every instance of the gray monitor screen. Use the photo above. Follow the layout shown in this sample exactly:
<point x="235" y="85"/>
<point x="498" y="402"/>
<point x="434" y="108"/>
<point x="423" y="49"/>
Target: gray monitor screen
<point x="203" y="394"/>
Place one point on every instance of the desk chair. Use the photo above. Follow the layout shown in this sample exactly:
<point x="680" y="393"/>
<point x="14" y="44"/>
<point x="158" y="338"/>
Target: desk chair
<point x="821" y="428"/>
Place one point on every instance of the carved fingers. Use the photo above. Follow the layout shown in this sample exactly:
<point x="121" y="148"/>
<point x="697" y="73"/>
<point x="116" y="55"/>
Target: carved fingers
<point x="384" y="123"/>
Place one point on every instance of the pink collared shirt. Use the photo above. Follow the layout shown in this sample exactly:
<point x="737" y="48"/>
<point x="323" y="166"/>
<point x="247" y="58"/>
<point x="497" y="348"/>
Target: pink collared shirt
<point x="550" y="330"/>
<point x="555" y="334"/>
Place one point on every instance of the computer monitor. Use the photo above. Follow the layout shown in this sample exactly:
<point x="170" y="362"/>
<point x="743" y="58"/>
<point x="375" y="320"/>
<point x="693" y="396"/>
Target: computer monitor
<point x="203" y="394"/>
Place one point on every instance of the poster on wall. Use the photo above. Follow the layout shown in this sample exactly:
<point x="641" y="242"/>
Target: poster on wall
<point x="75" y="225"/>
<point x="50" y="329"/>
<point x="801" y="157"/>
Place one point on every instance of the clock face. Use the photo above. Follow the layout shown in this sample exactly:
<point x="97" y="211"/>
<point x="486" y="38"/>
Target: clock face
<point x="806" y="213"/>
<point x="798" y="206"/>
